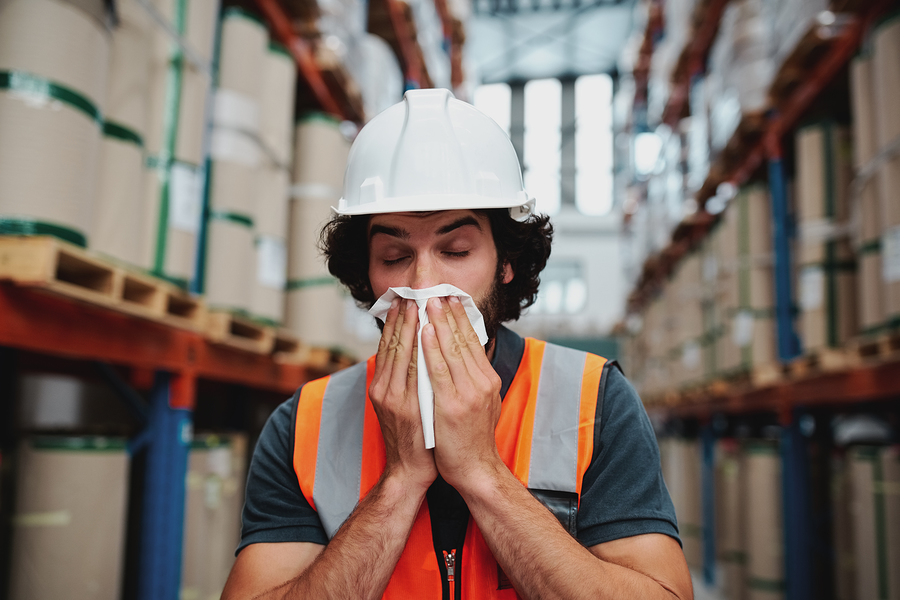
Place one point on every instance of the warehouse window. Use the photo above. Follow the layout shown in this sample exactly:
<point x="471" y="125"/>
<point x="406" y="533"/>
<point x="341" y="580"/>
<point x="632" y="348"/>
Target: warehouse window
<point x="543" y="118"/>
<point x="563" y="289"/>
<point x="594" y="144"/>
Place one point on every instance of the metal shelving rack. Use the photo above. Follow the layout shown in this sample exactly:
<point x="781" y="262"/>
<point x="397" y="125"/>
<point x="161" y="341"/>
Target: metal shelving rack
<point x="169" y="360"/>
<point x="788" y="400"/>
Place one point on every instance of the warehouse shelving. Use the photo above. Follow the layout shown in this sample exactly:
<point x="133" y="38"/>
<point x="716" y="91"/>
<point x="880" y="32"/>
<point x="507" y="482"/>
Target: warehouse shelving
<point x="865" y="374"/>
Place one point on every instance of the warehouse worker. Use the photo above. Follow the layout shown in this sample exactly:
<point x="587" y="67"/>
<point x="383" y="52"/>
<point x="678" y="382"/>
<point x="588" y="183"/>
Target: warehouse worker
<point x="544" y="480"/>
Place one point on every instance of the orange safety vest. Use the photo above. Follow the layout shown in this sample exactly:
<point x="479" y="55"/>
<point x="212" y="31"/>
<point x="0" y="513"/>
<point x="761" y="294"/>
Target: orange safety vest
<point x="545" y="436"/>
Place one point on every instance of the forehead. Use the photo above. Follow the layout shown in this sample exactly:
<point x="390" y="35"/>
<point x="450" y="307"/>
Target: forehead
<point x="428" y="222"/>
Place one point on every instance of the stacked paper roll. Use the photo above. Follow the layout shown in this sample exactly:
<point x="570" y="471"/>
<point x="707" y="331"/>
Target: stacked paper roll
<point x="175" y="178"/>
<point x="117" y="217"/>
<point x="70" y="516"/>
<point x="730" y="511"/>
<point x="886" y="81"/>
<point x="826" y="261"/>
<point x="867" y="208"/>
<point x="314" y="308"/>
<point x="271" y="214"/>
<point x="764" y="524"/>
<point x="236" y="158"/>
<point x="213" y="500"/>
<point x="54" y="60"/>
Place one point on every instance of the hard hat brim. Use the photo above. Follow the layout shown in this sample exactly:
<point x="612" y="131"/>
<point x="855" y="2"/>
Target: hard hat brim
<point x="437" y="202"/>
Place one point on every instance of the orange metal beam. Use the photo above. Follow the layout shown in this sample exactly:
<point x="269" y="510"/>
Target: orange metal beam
<point x="414" y="68"/>
<point x="40" y="322"/>
<point x="302" y="53"/>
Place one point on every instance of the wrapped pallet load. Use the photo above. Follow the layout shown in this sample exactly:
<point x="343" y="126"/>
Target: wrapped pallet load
<point x="69" y="520"/>
<point x="826" y="261"/>
<point x="230" y="253"/>
<point x="271" y="210"/>
<point x="764" y="530"/>
<point x="866" y="200"/>
<point x="117" y="215"/>
<point x="315" y="302"/>
<point x="886" y="82"/>
<point x="175" y="174"/>
<point x="54" y="60"/>
<point x="213" y="499"/>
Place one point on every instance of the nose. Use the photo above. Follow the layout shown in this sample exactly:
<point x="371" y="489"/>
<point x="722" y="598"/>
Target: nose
<point x="424" y="274"/>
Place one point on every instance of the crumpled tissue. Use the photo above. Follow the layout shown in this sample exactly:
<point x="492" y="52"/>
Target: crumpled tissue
<point x="426" y="392"/>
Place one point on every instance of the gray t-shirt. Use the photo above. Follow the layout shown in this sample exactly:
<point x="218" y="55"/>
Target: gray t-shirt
<point x="623" y="493"/>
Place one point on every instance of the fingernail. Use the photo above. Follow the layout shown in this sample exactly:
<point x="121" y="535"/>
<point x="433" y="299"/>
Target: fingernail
<point x="395" y="302"/>
<point x="411" y="305"/>
<point x="454" y="299"/>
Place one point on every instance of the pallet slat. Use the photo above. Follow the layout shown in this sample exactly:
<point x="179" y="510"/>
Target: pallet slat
<point x="229" y="329"/>
<point x="61" y="268"/>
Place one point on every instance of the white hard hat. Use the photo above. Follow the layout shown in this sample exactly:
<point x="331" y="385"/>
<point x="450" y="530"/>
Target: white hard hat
<point x="432" y="152"/>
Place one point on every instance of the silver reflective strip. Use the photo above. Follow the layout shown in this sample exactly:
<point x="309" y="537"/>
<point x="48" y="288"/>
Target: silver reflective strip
<point x="339" y="458"/>
<point x="554" y="442"/>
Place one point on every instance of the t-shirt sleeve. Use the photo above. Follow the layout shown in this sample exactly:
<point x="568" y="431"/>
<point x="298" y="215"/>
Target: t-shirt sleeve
<point x="623" y="492"/>
<point x="275" y="509"/>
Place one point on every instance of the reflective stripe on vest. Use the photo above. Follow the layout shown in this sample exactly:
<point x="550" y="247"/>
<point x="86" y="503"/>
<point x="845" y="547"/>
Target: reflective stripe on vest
<point x="545" y="436"/>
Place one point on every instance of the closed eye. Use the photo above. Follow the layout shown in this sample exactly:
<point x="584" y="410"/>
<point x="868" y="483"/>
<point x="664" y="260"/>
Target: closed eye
<point x="393" y="261"/>
<point x="457" y="254"/>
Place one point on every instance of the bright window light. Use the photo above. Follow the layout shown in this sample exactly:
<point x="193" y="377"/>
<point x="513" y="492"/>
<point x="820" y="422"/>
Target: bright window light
<point x="543" y="105"/>
<point x="647" y="147"/>
<point x="495" y="101"/>
<point x="593" y="144"/>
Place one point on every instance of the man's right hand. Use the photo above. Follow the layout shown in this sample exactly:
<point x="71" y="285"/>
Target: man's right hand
<point x="394" y="396"/>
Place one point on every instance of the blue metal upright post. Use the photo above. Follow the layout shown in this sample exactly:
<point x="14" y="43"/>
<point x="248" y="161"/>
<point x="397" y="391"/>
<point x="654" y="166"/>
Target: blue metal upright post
<point x="796" y="512"/>
<point x="708" y="483"/>
<point x="170" y="433"/>
<point x="788" y="343"/>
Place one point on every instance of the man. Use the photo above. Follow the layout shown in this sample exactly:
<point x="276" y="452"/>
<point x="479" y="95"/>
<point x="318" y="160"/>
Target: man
<point x="343" y="498"/>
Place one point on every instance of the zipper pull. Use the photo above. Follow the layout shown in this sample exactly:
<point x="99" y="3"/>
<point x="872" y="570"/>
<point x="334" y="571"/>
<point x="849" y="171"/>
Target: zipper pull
<point x="450" y="561"/>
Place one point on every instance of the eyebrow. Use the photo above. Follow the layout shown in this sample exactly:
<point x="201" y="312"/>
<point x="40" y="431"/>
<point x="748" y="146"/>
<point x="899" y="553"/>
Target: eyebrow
<point x="404" y="234"/>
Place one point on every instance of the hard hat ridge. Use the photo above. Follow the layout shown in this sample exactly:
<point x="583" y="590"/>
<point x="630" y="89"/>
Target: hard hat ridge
<point x="432" y="152"/>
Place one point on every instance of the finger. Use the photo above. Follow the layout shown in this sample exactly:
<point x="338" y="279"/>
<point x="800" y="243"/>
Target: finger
<point x="467" y="336"/>
<point x="446" y="331"/>
<point x="438" y="370"/>
<point x="403" y="347"/>
<point x="390" y="321"/>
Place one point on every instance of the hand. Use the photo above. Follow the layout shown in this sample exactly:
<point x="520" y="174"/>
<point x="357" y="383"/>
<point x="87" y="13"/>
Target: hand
<point x="395" y="398"/>
<point x="466" y="394"/>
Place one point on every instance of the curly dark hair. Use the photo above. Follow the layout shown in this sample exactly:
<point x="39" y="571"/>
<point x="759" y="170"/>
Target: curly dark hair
<point x="525" y="245"/>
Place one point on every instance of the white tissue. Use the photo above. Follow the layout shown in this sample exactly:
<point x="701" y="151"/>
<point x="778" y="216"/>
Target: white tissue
<point x="426" y="392"/>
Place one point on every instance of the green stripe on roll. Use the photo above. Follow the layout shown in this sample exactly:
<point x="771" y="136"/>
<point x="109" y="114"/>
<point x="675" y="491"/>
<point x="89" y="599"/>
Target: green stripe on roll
<point x="33" y="85"/>
<point x="300" y="284"/>
<point x="238" y="218"/>
<point x="20" y="226"/>
<point x="117" y="131"/>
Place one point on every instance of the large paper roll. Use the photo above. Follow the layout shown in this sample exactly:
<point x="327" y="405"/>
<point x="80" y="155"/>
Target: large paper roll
<point x="278" y="83"/>
<point x="320" y="156"/>
<point x="53" y="67"/>
<point x="886" y="81"/>
<point x="243" y="48"/>
<point x="69" y="520"/>
<point x="271" y="221"/>
<point x="177" y="123"/>
<point x="229" y="266"/>
<point x="764" y="525"/>
<point x="117" y="218"/>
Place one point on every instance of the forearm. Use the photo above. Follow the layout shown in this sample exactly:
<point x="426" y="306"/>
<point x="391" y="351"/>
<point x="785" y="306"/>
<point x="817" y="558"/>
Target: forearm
<point x="359" y="560"/>
<point x="540" y="558"/>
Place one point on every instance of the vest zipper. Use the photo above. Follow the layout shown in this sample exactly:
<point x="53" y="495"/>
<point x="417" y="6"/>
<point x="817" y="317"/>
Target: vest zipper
<point x="450" y="561"/>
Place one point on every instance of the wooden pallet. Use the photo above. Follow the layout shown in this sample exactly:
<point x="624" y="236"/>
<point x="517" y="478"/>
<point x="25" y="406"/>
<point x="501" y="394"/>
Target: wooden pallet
<point x="823" y="360"/>
<point x="228" y="329"/>
<point x="287" y="348"/>
<point x="881" y="347"/>
<point x="59" y="267"/>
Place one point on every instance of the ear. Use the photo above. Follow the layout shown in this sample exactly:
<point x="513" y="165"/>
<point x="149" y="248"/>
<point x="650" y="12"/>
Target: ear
<point x="508" y="272"/>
